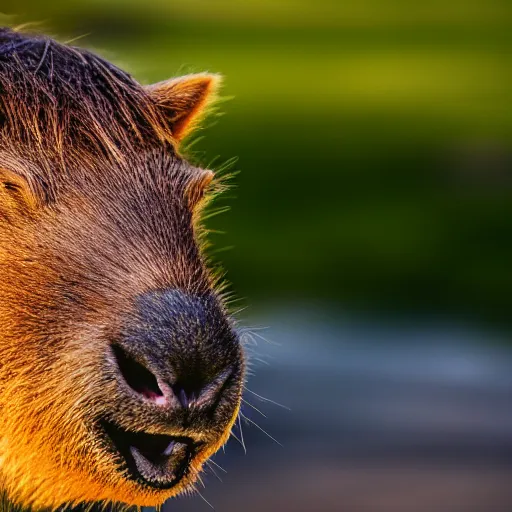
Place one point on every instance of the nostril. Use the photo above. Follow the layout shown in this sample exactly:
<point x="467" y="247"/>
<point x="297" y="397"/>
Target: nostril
<point x="137" y="376"/>
<point x="195" y="390"/>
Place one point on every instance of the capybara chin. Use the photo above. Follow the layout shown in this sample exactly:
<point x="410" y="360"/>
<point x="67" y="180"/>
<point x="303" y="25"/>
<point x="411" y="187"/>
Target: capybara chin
<point x="121" y="371"/>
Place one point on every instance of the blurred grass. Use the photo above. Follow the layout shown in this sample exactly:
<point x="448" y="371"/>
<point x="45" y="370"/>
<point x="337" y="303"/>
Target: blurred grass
<point x="374" y="139"/>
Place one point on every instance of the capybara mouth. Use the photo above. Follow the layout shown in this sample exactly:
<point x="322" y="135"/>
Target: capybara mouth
<point x="154" y="460"/>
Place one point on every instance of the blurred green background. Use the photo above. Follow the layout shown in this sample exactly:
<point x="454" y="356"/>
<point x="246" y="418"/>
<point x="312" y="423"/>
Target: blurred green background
<point x="370" y="228"/>
<point x="374" y="139"/>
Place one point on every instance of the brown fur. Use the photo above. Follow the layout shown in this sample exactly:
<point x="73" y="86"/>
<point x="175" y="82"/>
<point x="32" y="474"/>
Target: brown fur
<point x="96" y="208"/>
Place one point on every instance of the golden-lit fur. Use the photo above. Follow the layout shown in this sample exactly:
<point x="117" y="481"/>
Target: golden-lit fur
<point x="96" y="207"/>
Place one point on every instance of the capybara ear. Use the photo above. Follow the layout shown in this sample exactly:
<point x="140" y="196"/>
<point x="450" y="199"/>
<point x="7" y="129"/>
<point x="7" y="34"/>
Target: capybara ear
<point x="185" y="100"/>
<point x="17" y="199"/>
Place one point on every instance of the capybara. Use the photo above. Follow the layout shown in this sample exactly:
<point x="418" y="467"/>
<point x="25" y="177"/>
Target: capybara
<point x="121" y="370"/>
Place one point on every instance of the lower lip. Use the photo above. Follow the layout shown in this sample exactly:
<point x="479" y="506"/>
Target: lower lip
<point x="171" y="479"/>
<point x="164" y="473"/>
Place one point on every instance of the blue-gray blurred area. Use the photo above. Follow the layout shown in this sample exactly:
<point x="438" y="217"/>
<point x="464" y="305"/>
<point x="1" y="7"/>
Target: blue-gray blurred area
<point x="370" y="233"/>
<point x="383" y="418"/>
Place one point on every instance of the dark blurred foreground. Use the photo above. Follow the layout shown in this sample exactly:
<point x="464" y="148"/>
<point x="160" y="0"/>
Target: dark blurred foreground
<point x="382" y="419"/>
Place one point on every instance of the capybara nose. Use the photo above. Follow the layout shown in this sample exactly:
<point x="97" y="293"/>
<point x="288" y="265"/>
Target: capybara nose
<point x="179" y="350"/>
<point x="190" y="386"/>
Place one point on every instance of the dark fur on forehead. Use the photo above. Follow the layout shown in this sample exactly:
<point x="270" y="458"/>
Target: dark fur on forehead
<point x="63" y="100"/>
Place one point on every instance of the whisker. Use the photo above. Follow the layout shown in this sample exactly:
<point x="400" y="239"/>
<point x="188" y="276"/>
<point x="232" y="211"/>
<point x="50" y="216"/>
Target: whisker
<point x="264" y="431"/>
<point x="248" y="338"/>
<point x="204" y="499"/>
<point x="241" y="431"/>
<point x="267" y="399"/>
<point x="213" y="471"/>
<point x="238" y="439"/>
<point x="253" y="407"/>
<point x="261" y="337"/>
<point x="218" y="465"/>
<point x="260" y="328"/>
<point x="260" y="360"/>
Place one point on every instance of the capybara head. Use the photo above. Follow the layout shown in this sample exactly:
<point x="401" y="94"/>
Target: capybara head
<point x="120" y="368"/>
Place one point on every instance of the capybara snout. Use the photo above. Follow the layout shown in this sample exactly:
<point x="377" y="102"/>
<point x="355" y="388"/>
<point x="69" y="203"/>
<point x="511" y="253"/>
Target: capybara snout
<point x="179" y="351"/>
<point x="178" y="365"/>
<point x="121" y="371"/>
